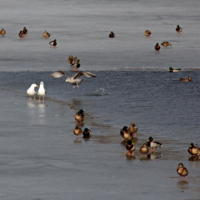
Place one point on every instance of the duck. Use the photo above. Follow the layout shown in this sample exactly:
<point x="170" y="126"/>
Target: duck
<point x="189" y="78"/>
<point x="53" y="43"/>
<point x="130" y="147"/>
<point x="70" y="59"/>
<point x="182" y="171"/>
<point x="144" y="149"/>
<point x="171" y="69"/>
<point x="31" y="91"/>
<point x="147" y="33"/>
<point x="153" y="144"/>
<point x="198" y="150"/>
<point x="166" y="44"/>
<point x="74" y="80"/>
<point x="111" y="35"/>
<point x="125" y="134"/>
<point x="2" y="32"/>
<point x="76" y="64"/>
<point x="87" y="133"/>
<point x="193" y="150"/>
<point x="157" y="47"/>
<point x="133" y="129"/>
<point x="41" y="91"/>
<point x="77" y="131"/>
<point x="178" y="29"/>
<point x="46" y="34"/>
<point x="25" y="31"/>
<point x="79" y="117"/>
<point x="21" y="35"/>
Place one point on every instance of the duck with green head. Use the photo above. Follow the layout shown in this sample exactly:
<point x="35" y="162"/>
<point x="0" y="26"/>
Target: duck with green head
<point x="153" y="144"/>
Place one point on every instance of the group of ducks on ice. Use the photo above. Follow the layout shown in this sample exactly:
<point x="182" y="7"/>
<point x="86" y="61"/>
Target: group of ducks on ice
<point x="126" y="133"/>
<point x="129" y="137"/>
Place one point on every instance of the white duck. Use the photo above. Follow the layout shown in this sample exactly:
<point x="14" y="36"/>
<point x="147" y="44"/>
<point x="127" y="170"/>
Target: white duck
<point x="31" y="91"/>
<point x="75" y="80"/>
<point x="41" y="91"/>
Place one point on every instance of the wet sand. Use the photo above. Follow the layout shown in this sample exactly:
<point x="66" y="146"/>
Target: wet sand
<point x="42" y="159"/>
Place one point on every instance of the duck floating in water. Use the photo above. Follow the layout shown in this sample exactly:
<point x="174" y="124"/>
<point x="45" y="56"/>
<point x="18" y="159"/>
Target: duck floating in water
<point x="87" y="133"/>
<point x="46" y="34"/>
<point x="2" y="32"/>
<point x="179" y="29"/>
<point x="31" y="91"/>
<point x="111" y="35"/>
<point x="182" y="171"/>
<point x="77" y="131"/>
<point x="153" y="144"/>
<point x="75" y="80"/>
<point x="53" y="43"/>
<point x="25" y="31"/>
<point x="189" y="78"/>
<point x="157" y="47"/>
<point x="133" y="129"/>
<point x="75" y="62"/>
<point x="130" y="147"/>
<point x="166" y="44"/>
<point x="147" y="33"/>
<point x="171" y="69"/>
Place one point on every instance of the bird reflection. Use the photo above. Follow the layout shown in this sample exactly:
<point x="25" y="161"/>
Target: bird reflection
<point x="77" y="141"/>
<point x="151" y="156"/>
<point x="36" y="111"/>
<point x="182" y="184"/>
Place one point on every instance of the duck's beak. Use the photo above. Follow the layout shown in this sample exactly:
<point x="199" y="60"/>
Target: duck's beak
<point x="36" y="86"/>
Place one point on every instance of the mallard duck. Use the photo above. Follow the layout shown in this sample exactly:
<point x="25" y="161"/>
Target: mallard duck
<point x="144" y="149"/>
<point x="133" y="129"/>
<point x="46" y="34"/>
<point x="130" y="147"/>
<point x="79" y="117"/>
<point x="198" y="150"/>
<point x="111" y="35"/>
<point x="157" y="47"/>
<point x="153" y="144"/>
<point x="21" y="35"/>
<point x="87" y="133"/>
<point x="77" y="131"/>
<point x="2" y="32"/>
<point x="193" y="150"/>
<point x="70" y="59"/>
<point x="25" y="31"/>
<point x="53" y="43"/>
<point x="189" y="78"/>
<point x="41" y="91"/>
<point x="147" y="33"/>
<point x="166" y="44"/>
<point x="171" y="69"/>
<point x="178" y="29"/>
<point x="76" y="64"/>
<point x="31" y="91"/>
<point x="124" y="132"/>
<point x="182" y="171"/>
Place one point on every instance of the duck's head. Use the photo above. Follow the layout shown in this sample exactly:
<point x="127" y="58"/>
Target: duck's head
<point x="129" y="142"/>
<point x="132" y="124"/>
<point x="81" y="111"/>
<point x="180" y="165"/>
<point x="191" y="145"/>
<point x="55" y="40"/>
<point x="86" y="129"/>
<point x="170" y="68"/>
<point x="157" y="44"/>
<point x="177" y="26"/>
<point x="125" y="128"/>
<point x="150" y="139"/>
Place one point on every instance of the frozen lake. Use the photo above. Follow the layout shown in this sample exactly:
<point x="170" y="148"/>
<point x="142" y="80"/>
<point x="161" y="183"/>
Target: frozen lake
<point x="40" y="158"/>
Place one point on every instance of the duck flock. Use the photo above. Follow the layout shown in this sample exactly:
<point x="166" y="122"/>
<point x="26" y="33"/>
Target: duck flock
<point x="128" y="134"/>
